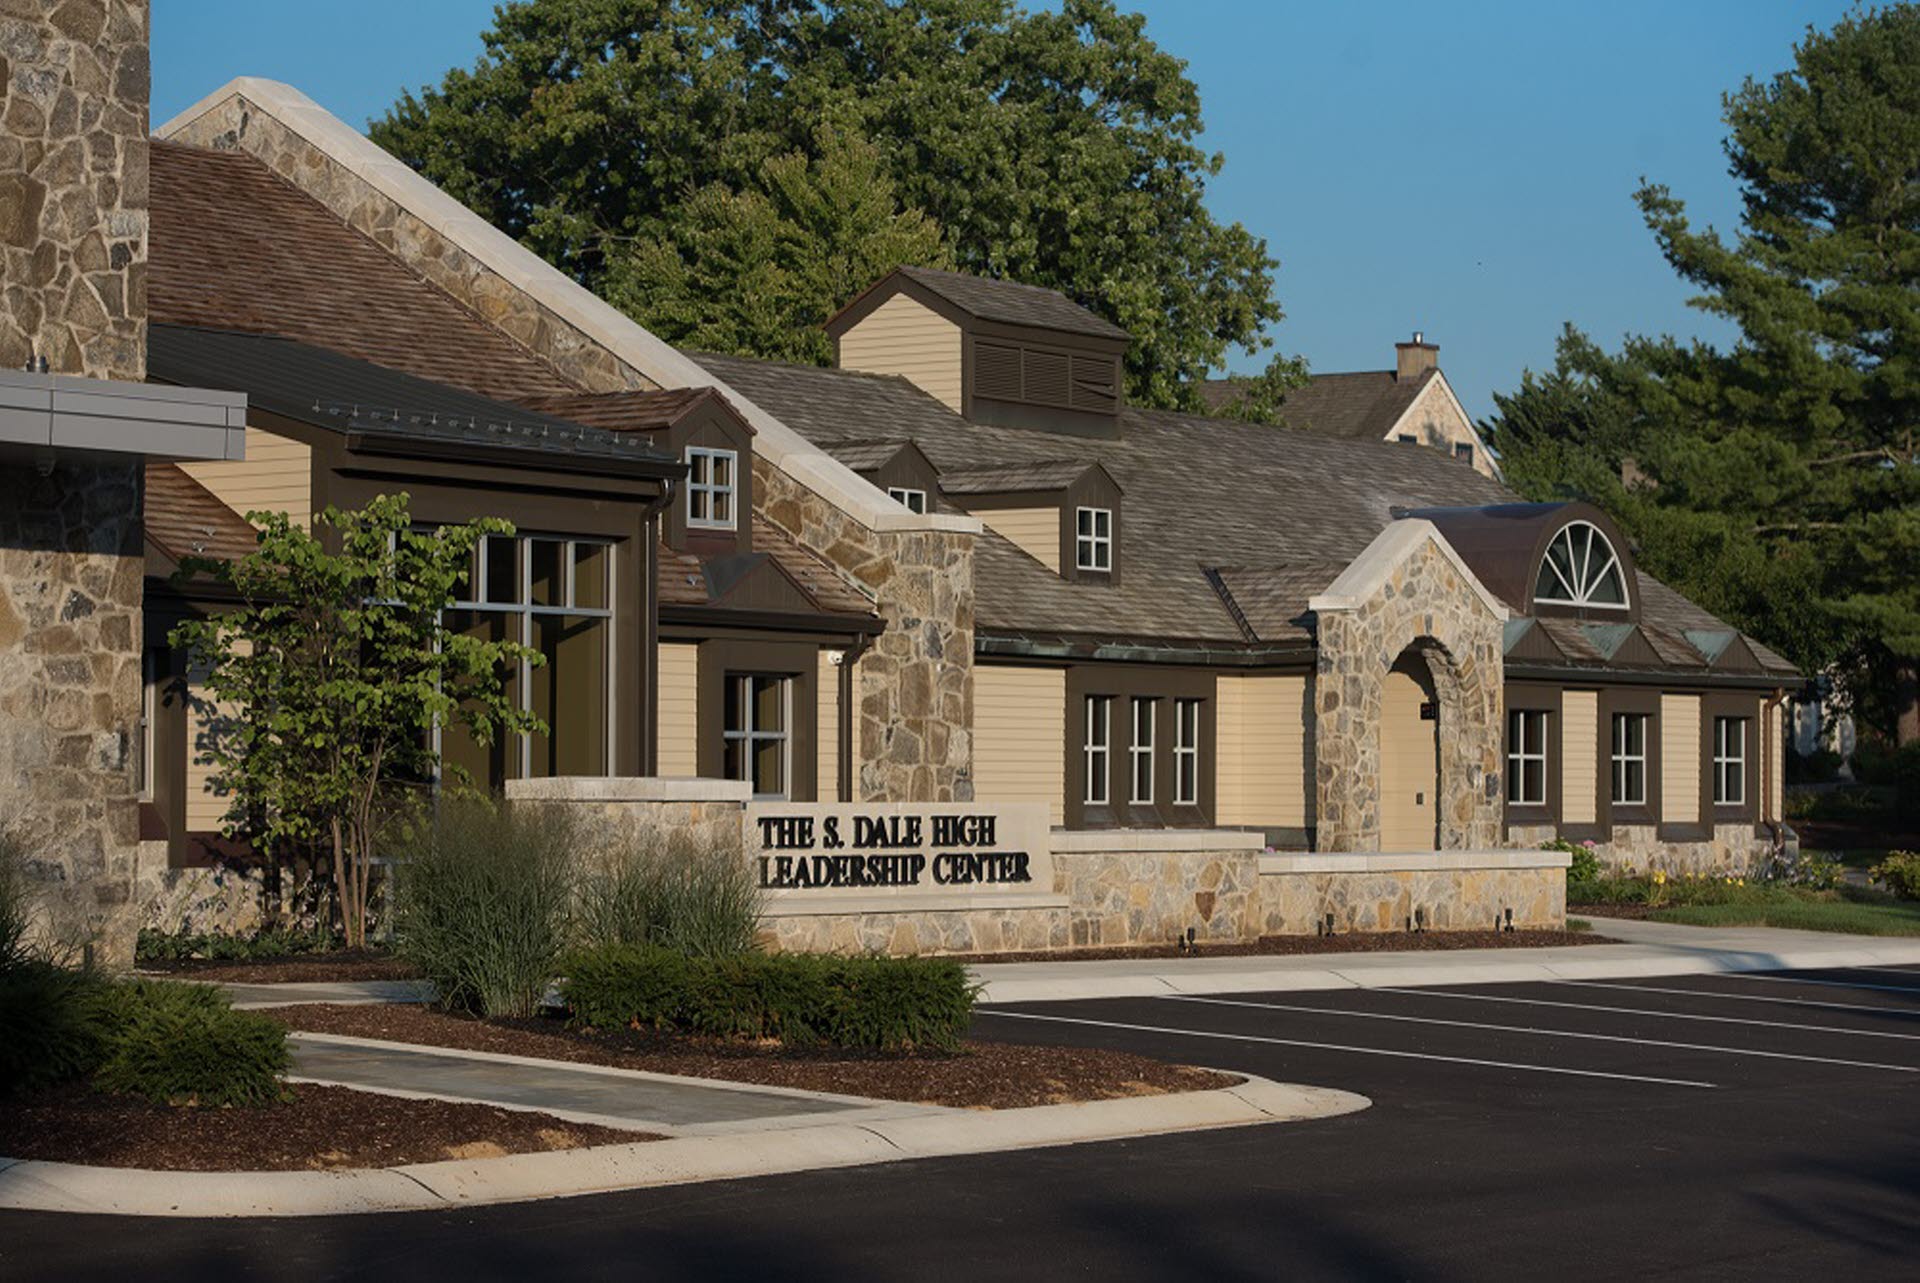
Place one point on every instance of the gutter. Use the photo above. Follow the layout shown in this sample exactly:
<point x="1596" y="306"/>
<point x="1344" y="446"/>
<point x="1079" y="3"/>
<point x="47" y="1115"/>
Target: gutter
<point x="789" y="621"/>
<point x="849" y="712"/>
<point x="1647" y="677"/>
<point x="400" y="445"/>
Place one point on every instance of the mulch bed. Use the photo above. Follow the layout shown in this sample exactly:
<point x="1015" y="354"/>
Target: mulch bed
<point x="1635" y="912"/>
<point x="343" y="964"/>
<point x="1357" y="942"/>
<point x="985" y="1075"/>
<point x="319" y="1129"/>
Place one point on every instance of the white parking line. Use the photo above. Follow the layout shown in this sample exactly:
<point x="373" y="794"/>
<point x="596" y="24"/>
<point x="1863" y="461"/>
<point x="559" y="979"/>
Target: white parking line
<point x="1646" y="1011"/>
<point x="1543" y="1033"/>
<point x="1831" y="984"/>
<point x="1631" y="987"/>
<point x="1334" y="1046"/>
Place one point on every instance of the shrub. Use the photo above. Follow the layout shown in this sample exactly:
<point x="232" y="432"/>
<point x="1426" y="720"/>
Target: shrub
<point x="175" y="1042"/>
<point x="482" y="898"/>
<point x="153" y="945"/>
<point x="1816" y="872"/>
<point x="1585" y="864"/>
<point x="1899" y="873"/>
<point x="866" y="1002"/>
<point x="1818" y="767"/>
<point x="700" y="901"/>
<point x="51" y="1026"/>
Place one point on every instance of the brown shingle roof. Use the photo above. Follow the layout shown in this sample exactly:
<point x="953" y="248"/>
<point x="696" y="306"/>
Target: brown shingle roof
<point x="184" y="519"/>
<point x="682" y="578"/>
<point x="627" y="411"/>
<point x="1362" y="406"/>
<point x="235" y="247"/>
<point x="1012" y="303"/>
<point x="1045" y="474"/>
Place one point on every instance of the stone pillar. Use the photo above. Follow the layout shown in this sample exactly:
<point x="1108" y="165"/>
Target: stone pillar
<point x="73" y="254"/>
<point x="1418" y="598"/>
<point x="915" y="687"/>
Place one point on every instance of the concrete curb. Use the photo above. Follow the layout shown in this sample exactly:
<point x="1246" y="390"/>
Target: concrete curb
<point x="68" y="1187"/>
<point x="1583" y="962"/>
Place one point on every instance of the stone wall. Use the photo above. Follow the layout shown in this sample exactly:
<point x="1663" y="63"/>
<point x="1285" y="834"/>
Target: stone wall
<point x="989" y="929"/>
<point x="1638" y="848"/>
<point x="1151" y="887"/>
<point x="73" y="185"/>
<point x="70" y="593"/>
<point x="916" y="683"/>
<point x="1450" y="891"/>
<point x="1427" y="604"/>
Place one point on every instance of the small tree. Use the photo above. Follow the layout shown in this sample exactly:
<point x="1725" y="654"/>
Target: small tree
<point x="333" y="672"/>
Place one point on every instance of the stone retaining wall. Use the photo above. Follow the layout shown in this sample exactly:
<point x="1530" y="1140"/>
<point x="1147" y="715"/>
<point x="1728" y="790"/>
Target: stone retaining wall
<point x="1450" y="891"/>
<point x="1733" y="848"/>
<point x="1129" y="888"/>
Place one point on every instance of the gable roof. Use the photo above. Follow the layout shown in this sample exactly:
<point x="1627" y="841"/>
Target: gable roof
<point x="234" y="247"/>
<point x="1361" y="406"/>
<point x="987" y="299"/>
<point x="1041" y="475"/>
<point x="633" y="411"/>
<point x="182" y="518"/>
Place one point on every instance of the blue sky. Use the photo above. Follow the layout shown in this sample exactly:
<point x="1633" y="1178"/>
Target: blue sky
<point x="1465" y="168"/>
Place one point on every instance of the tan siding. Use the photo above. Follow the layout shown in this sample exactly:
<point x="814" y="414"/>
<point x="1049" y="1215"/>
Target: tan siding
<point x="1260" y="777"/>
<point x="905" y="338"/>
<point x="1035" y="531"/>
<point x="276" y="476"/>
<point x="827" y="739"/>
<point x="1408" y="768"/>
<point x="1579" y="764"/>
<point x="206" y="807"/>
<point x="1775" y="783"/>
<point x="679" y="709"/>
<point x="1680" y="759"/>
<point x="1020" y="736"/>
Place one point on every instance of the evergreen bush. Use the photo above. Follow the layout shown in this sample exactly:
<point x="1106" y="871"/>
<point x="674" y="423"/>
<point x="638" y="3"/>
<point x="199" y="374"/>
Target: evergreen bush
<point x="170" y="1042"/>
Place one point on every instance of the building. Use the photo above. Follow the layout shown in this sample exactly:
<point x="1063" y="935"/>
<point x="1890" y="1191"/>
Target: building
<point x="1410" y="404"/>
<point x="1155" y="672"/>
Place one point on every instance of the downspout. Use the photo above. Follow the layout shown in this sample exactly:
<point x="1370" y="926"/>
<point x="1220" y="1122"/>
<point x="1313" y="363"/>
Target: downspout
<point x="848" y="713"/>
<point x="650" y="627"/>
<point x="1772" y="759"/>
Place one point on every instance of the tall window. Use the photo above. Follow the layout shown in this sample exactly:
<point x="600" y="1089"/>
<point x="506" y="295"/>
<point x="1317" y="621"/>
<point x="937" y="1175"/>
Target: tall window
<point x="1580" y="569"/>
<point x="1729" y="761"/>
<point x="1526" y="757"/>
<point x="1630" y="759"/>
<point x="1093" y="548"/>
<point x="757" y="715"/>
<point x="1140" y="750"/>
<point x="1463" y="451"/>
<point x="911" y="500"/>
<point x="555" y="595"/>
<point x="1186" y="752"/>
<point x="711" y="487"/>
<point x="1097" y="748"/>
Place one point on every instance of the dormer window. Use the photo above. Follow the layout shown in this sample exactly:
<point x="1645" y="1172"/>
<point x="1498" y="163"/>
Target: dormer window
<point x="1581" y="569"/>
<point x="910" y="499"/>
<point x="1093" y="543"/>
<point x="712" y="488"/>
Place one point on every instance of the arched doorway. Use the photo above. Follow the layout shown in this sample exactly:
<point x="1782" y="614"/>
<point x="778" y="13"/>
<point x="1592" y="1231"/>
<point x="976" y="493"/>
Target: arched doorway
<point x="1409" y="757"/>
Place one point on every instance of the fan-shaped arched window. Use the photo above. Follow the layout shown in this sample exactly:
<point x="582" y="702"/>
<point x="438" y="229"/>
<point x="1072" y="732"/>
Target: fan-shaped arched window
<point x="1581" y="569"/>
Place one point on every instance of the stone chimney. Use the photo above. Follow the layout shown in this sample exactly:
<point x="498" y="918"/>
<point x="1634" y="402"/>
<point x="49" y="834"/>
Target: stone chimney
<point x="73" y="186"/>
<point x="1413" y="359"/>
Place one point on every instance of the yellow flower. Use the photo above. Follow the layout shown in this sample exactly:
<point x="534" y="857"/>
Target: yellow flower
<point x="1659" y="877"/>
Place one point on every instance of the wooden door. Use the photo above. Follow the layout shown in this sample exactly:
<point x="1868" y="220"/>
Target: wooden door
<point x="1409" y="766"/>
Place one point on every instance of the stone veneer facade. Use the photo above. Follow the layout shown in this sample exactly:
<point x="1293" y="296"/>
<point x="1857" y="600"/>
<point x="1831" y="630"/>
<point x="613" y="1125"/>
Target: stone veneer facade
<point x="1457" y="891"/>
<point x="1428" y="605"/>
<point x="1122" y="890"/>
<point x="73" y="255"/>
<point x="1733" y="848"/>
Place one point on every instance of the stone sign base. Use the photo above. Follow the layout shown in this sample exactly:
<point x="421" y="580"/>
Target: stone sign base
<point x="1441" y="890"/>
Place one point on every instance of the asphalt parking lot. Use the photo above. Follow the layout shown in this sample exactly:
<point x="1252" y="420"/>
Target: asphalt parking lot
<point x="1735" y="1127"/>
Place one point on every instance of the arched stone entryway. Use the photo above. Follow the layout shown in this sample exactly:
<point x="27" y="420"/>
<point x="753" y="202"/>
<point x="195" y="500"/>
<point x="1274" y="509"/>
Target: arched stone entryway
<point x="1407" y="601"/>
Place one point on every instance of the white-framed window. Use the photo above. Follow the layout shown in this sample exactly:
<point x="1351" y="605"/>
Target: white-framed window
<point x="712" y="487"/>
<point x="1630" y="759"/>
<point x="910" y="499"/>
<point x="1186" y="752"/>
<point x="1729" y="761"/>
<point x="1581" y="569"/>
<point x="757" y="747"/>
<point x="1097" y="748"/>
<point x="554" y="594"/>
<point x="1526" y="757"/>
<point x="1463" y="451"/>
<point x="1140" y="750"/>
<point x="1093" y="544"/>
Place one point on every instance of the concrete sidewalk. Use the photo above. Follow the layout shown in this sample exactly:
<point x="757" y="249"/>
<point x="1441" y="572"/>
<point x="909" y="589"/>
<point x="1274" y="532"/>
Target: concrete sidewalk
<point x="1645" y="949"/>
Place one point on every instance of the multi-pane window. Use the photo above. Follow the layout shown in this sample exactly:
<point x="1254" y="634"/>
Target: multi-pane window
<point x="1729" y="761"/>
<point x="1186" y="752"/>
<point x="1140" y="750"/>
<point x="1097" y="748"/>
<point x="911" y="500"/>
<point x="1093" y="544"/>
<point x="1526" y="757"/>
<point x="1630" y="759"/>
<point x="1463" y="451"/>
<point x="1581" y="569"/>
<point x="712" y="486"/>
<point x="755" y="728"/>
<point x="555" y="595"/>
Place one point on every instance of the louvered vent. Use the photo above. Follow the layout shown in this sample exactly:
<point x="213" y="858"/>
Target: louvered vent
<point x="1047" y="379"/>
<point x="1093" y="387"/>
<point x="996" y="371"/>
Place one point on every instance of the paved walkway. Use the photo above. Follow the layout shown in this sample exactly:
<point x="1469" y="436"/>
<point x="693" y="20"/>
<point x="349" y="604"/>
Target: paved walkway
<point x="663" y="1103"/>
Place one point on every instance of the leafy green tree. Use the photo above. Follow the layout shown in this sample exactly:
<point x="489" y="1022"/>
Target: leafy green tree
<point x="758" y="272"/>
<point x="1788" y="463"/>
<point x="1057" y="148"/>
<point x="331" y="673"/>
<point x="1257" y="397"/>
